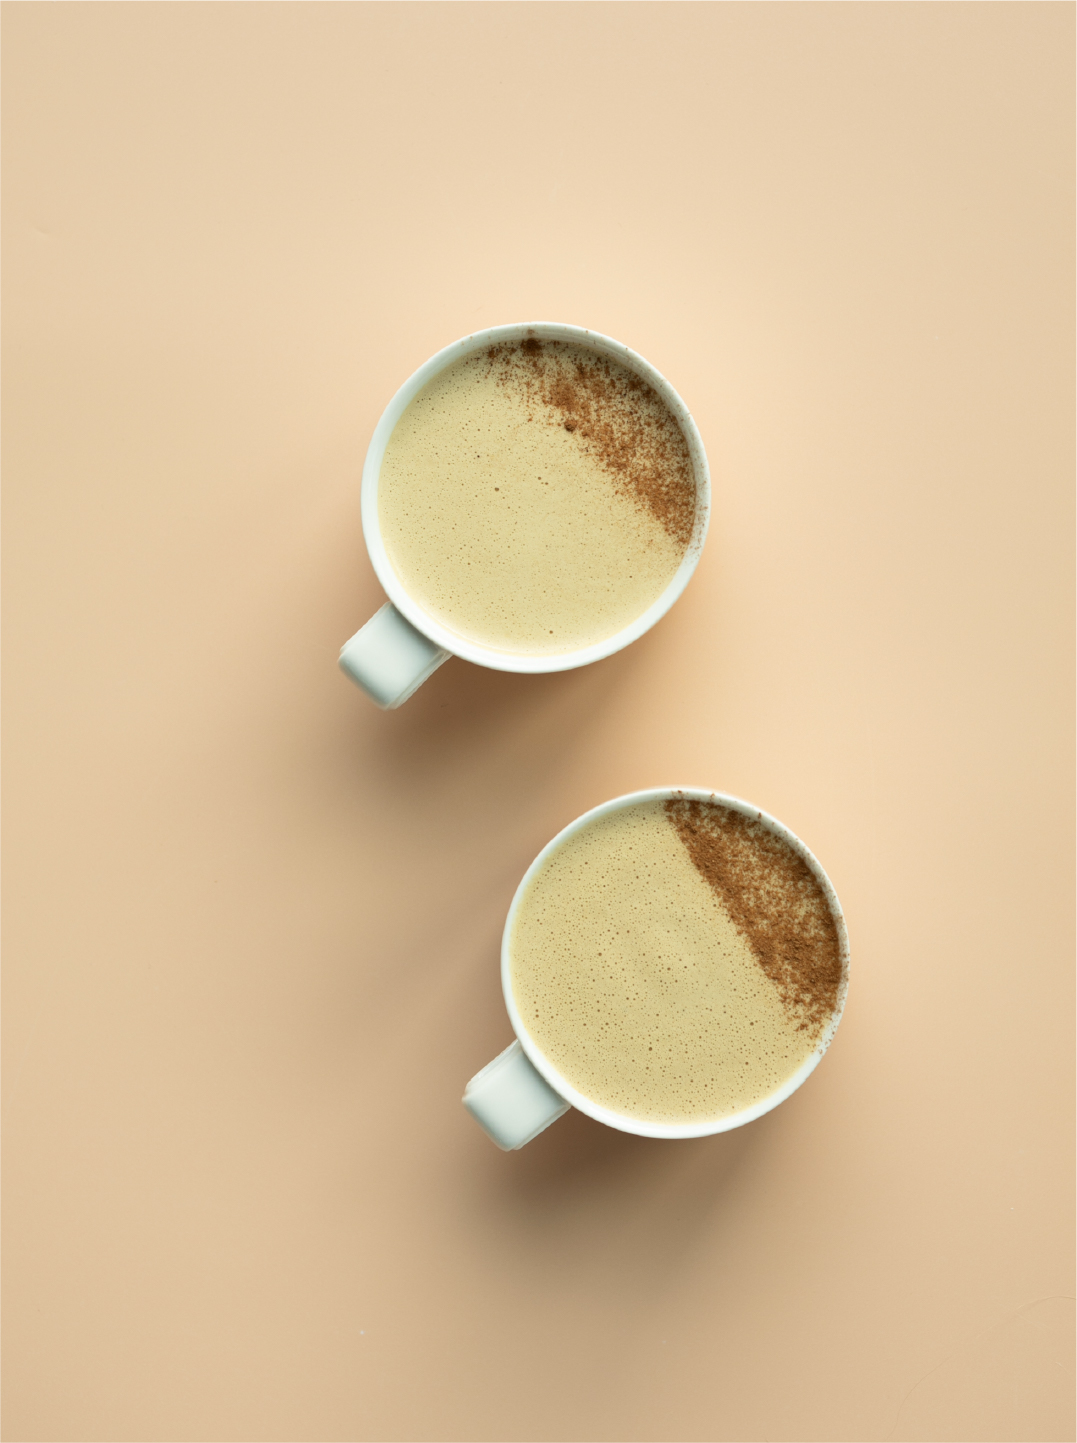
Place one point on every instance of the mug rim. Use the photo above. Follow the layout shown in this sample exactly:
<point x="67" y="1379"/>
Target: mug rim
<point x="622" y="1121"/>
<point x="421" y="619"/>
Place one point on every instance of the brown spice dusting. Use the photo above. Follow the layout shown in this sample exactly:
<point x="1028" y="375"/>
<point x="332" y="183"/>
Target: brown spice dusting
<point x="617" y="417"/>
<point x="774" y="899"/>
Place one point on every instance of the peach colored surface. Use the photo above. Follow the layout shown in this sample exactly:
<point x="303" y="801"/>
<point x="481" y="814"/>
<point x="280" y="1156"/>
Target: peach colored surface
<point x="252" y="923"/>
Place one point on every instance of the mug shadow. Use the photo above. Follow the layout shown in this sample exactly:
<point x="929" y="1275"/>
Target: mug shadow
<point x="604" y="1205"/>
<point x="469" y="731"/>
<point x="463" y="707"/>
<point x="578" y="1151"/>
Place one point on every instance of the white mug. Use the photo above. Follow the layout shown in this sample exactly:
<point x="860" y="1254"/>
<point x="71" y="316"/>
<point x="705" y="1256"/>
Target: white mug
<point x="521" y="1093"/>
<point x="402" y="644"/>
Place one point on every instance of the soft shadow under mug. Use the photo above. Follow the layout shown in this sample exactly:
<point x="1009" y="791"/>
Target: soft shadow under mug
<point x="402" y="644"/>
<point x="521" y="1093"/>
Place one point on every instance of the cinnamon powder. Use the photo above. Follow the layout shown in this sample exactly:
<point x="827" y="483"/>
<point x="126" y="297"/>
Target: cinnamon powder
<point x="774" y="899"/>
<point x="617" y="418"/>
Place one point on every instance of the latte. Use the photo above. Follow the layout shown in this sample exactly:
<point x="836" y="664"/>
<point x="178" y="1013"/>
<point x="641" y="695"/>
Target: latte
<point x="537" y="497"/>
<point x="676" y="961"/>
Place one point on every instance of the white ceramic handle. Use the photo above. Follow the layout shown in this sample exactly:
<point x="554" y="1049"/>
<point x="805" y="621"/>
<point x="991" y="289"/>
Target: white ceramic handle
<point x="510" y="1101"/>
<point x="389" y="659"/>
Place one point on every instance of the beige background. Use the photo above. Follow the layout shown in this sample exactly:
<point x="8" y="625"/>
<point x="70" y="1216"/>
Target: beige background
<point x="252" y="924"/>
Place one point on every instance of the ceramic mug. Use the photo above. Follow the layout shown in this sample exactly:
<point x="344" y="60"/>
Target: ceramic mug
<point x="402" y="644"/>
<point x="521" y="1092"/>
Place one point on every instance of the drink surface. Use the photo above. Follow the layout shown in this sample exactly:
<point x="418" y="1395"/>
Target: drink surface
<point x="675" y="961"/>
<point x="536" y="497"/>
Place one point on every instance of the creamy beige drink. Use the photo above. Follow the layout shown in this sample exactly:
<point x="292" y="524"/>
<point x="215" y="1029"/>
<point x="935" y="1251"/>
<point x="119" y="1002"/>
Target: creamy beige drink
<point x="675" y="961"/>
<point x="536" y="497"/>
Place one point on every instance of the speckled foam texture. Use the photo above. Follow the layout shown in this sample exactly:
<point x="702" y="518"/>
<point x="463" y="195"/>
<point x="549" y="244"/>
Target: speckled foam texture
<point x="630" y="975"/>
<point x="504" y="525"/>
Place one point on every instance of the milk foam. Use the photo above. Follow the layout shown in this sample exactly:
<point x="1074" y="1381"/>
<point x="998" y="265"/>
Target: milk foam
<point x="634" y="981"/>
<point x="503" y="523"/>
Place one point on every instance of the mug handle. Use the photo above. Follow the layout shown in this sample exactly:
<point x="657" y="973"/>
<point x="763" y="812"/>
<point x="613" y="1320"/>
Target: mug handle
<point x="511" y="1101"/>
<point x="389" y="658"/>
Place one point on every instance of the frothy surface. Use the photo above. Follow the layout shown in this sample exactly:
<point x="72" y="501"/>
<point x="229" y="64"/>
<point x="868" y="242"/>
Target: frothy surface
<point x="631" y="974"/>
<point x="536" y="498"/>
